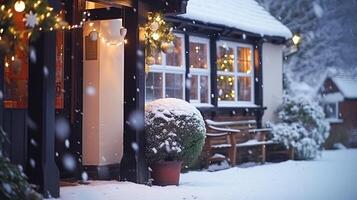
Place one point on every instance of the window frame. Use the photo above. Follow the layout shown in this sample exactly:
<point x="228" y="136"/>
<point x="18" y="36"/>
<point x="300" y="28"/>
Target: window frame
<point x="201" y="72"/>
<point x="168" y="69"/>
<point x="334" y="119"/>
<point x="236" y="74"/>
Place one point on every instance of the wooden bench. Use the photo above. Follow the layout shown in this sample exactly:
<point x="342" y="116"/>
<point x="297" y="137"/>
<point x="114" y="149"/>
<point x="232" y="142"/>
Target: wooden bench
<point x="229" y="136"/>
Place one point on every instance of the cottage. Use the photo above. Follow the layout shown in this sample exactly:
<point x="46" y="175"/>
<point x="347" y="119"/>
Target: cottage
<point x="339" y="97"/>
<point x="79" y="83"/>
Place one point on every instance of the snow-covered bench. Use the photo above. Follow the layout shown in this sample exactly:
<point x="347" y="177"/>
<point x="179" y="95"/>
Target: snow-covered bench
<point x="232" y="135"/>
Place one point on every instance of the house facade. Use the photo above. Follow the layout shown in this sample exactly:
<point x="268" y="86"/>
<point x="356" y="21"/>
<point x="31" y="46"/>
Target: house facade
<point x="339" y="97"/>
<point x="79" y="106"/>
<point x="227" y="62"/>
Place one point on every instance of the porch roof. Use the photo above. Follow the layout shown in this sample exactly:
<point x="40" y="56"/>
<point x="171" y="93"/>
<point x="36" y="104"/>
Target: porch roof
<point x="246" y="15"/>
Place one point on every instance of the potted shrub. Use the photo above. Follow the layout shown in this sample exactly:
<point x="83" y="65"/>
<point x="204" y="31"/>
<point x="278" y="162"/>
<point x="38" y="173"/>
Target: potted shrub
<point x="174" y="136"/>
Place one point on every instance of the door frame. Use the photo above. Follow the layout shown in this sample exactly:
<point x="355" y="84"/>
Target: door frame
<point x="73" y="83"/>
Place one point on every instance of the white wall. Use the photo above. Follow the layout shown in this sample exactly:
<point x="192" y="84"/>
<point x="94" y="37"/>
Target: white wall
<point x="272" y="79"/>
<point x="103" y="112"/>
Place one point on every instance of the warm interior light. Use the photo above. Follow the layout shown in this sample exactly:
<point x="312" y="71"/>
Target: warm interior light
<point x="19" y="6"/>
<point x="155" y="36"/>
<point x="296" y="39"/>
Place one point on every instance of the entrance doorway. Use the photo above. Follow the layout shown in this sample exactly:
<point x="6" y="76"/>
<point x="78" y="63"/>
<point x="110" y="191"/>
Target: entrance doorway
<point x="103" y="94"/>
<point x="89" y="125"/>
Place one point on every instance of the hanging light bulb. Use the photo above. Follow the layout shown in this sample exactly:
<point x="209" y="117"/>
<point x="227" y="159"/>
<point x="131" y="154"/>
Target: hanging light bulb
<point x="296" y="39"/>
<point x="19" y="6"/>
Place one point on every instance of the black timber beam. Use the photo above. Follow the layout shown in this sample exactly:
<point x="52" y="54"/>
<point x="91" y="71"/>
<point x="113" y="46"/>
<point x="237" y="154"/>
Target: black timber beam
<point x="133" y="165"/>
<point x="41" y="167"/>
<point x="1" y="91"/>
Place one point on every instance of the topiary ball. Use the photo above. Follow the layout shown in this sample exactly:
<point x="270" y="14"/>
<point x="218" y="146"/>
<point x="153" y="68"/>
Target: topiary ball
<point x="174" y="130"/>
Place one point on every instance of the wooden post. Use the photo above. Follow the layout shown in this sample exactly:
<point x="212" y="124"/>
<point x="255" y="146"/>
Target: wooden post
<point x="213" y="62"/>
<point x="263" y="154"/>
<point x="1" y="90"/>
<point x="232" y="150"/>
<point x="292" y="153"/>
<point x="41" y="168"/>
<point x="187" y="62"/>
<point x="133" y="165"/>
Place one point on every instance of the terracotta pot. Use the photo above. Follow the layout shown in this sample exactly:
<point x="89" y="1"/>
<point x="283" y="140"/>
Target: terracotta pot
<point x="166" y="173"/>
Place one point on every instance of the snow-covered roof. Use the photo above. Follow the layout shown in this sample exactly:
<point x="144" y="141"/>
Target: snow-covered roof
<point x="333" y="97"/>
<point x="246" y="15"/>
<point x="346" y="85"/>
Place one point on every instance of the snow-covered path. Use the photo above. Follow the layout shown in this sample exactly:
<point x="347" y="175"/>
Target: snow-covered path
<point x="333" y="176"/>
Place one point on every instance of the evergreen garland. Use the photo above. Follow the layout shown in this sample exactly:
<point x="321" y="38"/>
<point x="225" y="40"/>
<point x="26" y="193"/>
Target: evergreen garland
<point x="158" y="37"/>
<point x="37" y="16"/>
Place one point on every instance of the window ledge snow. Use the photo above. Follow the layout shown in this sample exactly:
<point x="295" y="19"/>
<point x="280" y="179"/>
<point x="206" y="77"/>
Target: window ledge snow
<point x="335" y="121"/>
<point x="238" y="104"/>
<point x="202" y="105"/>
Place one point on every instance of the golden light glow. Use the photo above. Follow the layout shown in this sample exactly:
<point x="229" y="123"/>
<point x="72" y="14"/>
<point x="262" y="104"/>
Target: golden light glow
<point x="155" y="36"/>
<point x="296" y="39"/>
<point x="19" y="6"/>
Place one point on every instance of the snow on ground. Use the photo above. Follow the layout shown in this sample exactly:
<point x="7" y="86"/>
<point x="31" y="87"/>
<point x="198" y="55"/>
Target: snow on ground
<point x="332" y="176"/>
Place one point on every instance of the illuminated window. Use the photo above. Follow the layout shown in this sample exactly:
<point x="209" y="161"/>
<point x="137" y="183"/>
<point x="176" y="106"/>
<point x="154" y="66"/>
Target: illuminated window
<point x="16" y="73"/>
<point x="199" y="70"/>
<point x="166" y="77"/>
<point x="331" y="110"/>
<point x="234" y="73"/>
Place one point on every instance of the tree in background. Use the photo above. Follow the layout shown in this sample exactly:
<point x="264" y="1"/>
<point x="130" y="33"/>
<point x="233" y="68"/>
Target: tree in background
<point x="329" y="36"/>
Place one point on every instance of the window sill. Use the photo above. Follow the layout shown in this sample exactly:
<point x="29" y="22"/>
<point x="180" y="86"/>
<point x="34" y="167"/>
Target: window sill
<point x="202" y="105"/>
<point x="237" y="104"/>
<point x="335" y="121"/>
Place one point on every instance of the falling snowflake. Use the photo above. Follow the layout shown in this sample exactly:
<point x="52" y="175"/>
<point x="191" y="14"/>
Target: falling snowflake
<point x="32" y="163"/>
<point x="45" y="71"/>
<point x="62" y="128"/>
<point x="84" y="176"/>
<point x="66" y="143"/>
<point x="136" y="120"/>
<point x="68" y="162"/>
<point x="90" y="90"/>
<point x="31" y="19"/>
<point x="135" y="146"/>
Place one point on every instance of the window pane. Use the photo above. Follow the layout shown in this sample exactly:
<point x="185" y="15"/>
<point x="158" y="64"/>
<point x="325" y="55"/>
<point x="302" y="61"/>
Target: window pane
<point x="225" y="85"/>
<point x="158" y="58"/>
<point x="174" y="86"/>
<point x="330" y="110"/>
<point x="204" y="89"/>
<point x="225" y="59"/>
<point x="194" y="87"/>
<point x="244" y="88"/>
<point x="244" y="60"/>
<point x="15" y="80"/>
<point x="175" y="58"/>
<point x="153" y="86"/>
<point x="198" y="55"/>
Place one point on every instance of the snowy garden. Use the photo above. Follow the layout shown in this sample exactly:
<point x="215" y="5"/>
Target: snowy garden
<point x="332" y="175"/>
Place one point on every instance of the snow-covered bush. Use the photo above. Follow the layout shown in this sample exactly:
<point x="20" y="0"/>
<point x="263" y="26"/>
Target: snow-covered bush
<point x="174" y="130"/>
<point x="303" y="126"/>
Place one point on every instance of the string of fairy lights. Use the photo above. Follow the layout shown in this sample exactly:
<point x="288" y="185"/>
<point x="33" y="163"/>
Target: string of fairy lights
<point x="225" y="63"/>
<point x="37" y="16"/>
